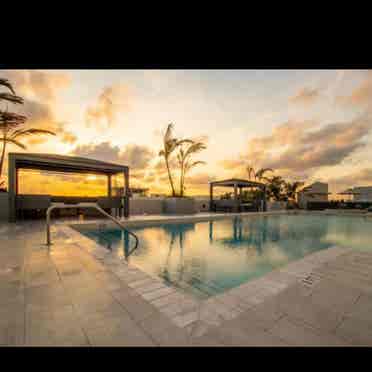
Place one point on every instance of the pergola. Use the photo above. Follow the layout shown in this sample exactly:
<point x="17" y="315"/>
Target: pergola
<point x="238" y="185"/>
<point x="61" y="163"/>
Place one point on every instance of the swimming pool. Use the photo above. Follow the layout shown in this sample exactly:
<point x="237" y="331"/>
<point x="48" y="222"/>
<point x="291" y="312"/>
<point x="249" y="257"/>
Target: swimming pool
<point x="207" y="258"/>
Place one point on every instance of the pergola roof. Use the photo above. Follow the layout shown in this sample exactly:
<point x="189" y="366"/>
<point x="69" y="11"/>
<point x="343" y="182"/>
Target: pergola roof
<point x="62" y="163"/>
<point x="348" y="192"/>
<point x="238" y="182"/>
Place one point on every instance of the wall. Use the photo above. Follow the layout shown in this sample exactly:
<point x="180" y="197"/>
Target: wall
<point x="146" y="206"/>
<point x="202" y="205"/>
<point x="4" y="206"/>
<point x="276" y="206"/>
<point x="179" y="206"/>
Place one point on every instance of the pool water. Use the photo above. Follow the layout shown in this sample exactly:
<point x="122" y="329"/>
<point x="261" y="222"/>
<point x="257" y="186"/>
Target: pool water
<point x="206" y="258"/>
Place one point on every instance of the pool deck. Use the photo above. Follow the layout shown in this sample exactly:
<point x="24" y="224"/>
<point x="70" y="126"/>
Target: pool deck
<point x="79" y="294"/>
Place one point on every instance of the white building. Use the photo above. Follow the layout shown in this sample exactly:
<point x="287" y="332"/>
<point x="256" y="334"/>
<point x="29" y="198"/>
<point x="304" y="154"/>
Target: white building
<point x="316" y="192"/>
<point x="362" y="194"/>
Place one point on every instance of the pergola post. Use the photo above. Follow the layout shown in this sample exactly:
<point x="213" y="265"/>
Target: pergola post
<point x="126" y="195"/>
<point x="109" y="188"/>
<point x="236" y="198"/>
<point x="264" y="206"/>
<point x="210" y="197"/>
<point x="12" y="188"/>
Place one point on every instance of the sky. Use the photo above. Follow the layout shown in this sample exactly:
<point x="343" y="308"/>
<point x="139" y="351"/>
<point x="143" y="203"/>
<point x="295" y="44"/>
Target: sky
<point x="308" y="125"/>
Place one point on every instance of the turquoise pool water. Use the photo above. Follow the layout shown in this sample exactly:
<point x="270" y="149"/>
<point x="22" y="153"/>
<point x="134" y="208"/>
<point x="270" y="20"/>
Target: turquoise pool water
<point x="206" y="258"/>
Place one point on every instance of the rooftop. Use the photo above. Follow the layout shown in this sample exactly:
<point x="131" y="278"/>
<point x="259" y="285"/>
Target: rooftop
<point x="64" y="163"/>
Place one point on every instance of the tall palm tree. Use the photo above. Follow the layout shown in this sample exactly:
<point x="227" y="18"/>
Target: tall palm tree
<point x="291" y="189"/>
<point x="11" y="124"/>
<point x="251" y="173"/>
<point x="12" y="131"/>
<point x="170" y="144"/>
<point x="184" y="160"/>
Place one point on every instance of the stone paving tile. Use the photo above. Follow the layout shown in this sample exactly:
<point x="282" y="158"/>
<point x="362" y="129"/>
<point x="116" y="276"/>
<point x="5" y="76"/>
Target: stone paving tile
<point x="317" y="316"/>
<point x="160" y="328"/>
<point x="57" y="327"/>
<point x="296" y="334"/>
<point x="185" y="319"/>
<point x="127" y="334"/>
<point x="108" y="280"/>
<point x="152" y="286"/>
<point x="113" y="314"/>
<point x="332" y="294"/>
<point x="157" y="293"/>
<point x="12" y="324"/>
<point x="236" y="336"/>
<point x="169" y="299"/>
<point x="123" y="295"/>
<point x="362" y="309"/>
<point x="45" y="296"/>
<point x="141" y="282"/>
<point x="138" y="308"/>
<point x="355" y="331"/>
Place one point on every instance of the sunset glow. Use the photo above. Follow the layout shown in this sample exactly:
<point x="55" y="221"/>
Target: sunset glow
<point x="306" y="125"/>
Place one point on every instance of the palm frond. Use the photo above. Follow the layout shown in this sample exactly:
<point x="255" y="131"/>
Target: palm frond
<point x="168" y="133"/>
<point x="6" y="83"/>
<point x="29" y="132"/>
<point x="11" y="98"/>
<point x="194" y="164"/>
<point x="14" y="142"/>
<point x="11" y="119"/>
<point x="260" y="173"/>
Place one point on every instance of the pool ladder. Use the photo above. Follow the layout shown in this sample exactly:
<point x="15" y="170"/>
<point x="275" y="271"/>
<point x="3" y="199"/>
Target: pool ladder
<point x="86" y="205"/>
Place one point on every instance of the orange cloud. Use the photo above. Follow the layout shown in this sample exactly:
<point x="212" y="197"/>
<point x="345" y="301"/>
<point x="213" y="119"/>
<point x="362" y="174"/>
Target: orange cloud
<point x="302" y="147"/>
<point x="306" y="96"/>
<point x="361" y="95"/>
<point x="112" y="101"/>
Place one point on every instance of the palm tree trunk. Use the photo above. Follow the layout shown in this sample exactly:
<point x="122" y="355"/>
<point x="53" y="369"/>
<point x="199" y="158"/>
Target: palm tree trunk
<point x="181" y="179"/>
<point x="2" y="157"/>
<point x="169" y="176"/>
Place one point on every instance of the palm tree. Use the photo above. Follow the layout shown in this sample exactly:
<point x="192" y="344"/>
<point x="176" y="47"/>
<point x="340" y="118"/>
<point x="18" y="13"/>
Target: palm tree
<point x="251" y="173"/>
<point x="275" y="188"/>
<point x="170" y="144"/>
<point x="184" y="160"/>
<point x="11" y="124"/>
<point x="292" y="188"/>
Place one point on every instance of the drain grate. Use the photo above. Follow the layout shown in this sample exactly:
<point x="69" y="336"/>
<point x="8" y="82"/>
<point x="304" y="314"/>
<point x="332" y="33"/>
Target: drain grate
<point x="311" y="279"/>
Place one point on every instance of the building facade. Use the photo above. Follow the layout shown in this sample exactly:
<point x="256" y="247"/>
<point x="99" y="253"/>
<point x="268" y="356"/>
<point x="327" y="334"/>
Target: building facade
<point x="316" y="192"/>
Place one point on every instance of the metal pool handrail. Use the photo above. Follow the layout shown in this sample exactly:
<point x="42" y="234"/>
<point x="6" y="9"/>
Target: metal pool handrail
<point x="86" y="205"/>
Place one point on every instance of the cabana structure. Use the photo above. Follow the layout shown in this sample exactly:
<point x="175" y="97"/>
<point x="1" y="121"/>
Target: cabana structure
<point x="235" y="204"/>
<point x="65" y="164"/>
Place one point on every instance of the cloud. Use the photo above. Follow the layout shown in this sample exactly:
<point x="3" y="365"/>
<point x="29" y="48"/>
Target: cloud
<point x="41" y="116"/>
<point x="135" y="156"/>
<point x="37" y="84"/>
<point x="362" y="177"/>
<point x="361" y="96"/>
<point x="305" y="96"/>
<point x="40" y="90"/>
<point x="302" y="147"/>
<point x="112" y="101"/>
